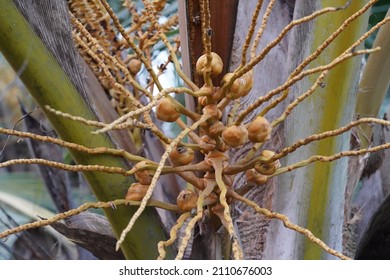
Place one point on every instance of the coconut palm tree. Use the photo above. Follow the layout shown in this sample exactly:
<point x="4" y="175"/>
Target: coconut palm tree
<point x="271" y="96"/>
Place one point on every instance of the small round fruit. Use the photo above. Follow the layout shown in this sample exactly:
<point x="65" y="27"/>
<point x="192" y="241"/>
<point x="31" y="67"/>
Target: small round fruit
<point x="135" y="66"/>
<point x="234" y="89"/>
<point x="267" y="168"/>
<point x="181" y="156"/>
<point x="216" y="65"/>
<point x="136" y="192"/>
<point x="216" y="128"/>
<point x="235" y="136"/>
<point x="186" y="200"/>
<point x="240" y="87"/>
<point x="143" y="177"/>
<point x="252" y="176"/>
<point x="247" y="84"/>
<point x="166" y="111"/>
<point x="259" y="130"/>
<point x="213" y="111"/>
<point x="159" y="5"/>
<point x="267" y="154"/>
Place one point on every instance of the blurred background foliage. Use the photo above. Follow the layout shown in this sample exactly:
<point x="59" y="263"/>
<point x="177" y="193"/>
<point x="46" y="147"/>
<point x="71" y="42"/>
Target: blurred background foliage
<point x="378" y="12"/>
<point x="23" y="197"/>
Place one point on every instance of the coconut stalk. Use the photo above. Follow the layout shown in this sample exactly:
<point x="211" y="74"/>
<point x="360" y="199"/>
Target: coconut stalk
<point x="50" y="85"/>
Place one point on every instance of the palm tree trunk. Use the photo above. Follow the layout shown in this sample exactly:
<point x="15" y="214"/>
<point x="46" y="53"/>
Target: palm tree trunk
<point x="50" y="84"/>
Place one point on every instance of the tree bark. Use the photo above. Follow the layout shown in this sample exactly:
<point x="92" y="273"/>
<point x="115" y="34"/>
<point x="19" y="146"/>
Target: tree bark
<point x="270" y="73"/>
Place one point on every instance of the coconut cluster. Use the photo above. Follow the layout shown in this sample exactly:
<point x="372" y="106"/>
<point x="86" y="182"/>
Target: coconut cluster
<point x="215" y="137"/>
